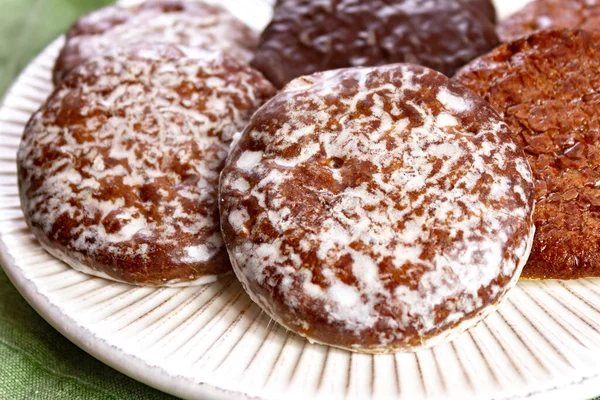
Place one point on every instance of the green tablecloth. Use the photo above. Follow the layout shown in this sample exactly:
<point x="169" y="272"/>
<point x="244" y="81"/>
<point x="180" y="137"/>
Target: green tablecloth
<point x="36" y="362"/>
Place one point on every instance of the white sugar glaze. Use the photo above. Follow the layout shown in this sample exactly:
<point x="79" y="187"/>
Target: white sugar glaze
<point x="422" y="215"/>
<point x="192" y="24"/>
<point x="120" y="169"/>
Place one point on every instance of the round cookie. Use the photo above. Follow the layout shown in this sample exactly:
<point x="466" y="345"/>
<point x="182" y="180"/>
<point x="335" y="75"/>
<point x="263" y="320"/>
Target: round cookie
<point x="546" y="88"/>
<point x="377" y="209"/>
<point x="543" y="14"/>
<point x="307" y="36"/>
<point x="118" y="171"/>
<point x="189" y="23"/>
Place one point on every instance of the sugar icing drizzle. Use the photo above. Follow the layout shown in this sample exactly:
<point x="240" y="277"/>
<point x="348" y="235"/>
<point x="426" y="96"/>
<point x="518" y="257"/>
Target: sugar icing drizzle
<point x="119" y="169"/>
<point x="192" y="24"/>
<point x="387" y="202"/>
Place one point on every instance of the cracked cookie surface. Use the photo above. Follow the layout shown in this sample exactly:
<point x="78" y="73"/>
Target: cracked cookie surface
<point x="547" y="89"/>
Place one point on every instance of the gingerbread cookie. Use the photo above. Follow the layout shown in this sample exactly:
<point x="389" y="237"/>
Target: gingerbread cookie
<point x="190" y="23"/>
<point x="307" y="36"/>
<point x="377" y="209"/>
<point x="546" y="88"/>
<point x="544" y="14"/>
<point x="118" y="171"/>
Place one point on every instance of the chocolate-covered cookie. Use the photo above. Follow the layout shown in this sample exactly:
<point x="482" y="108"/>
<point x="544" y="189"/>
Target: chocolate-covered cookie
<point x="306" y="36"/>
<point x="118" y="171"/>
<point x="546" y="88"/>
<point x="190" y="23"/>
<point x="543" y="14"/>
<point x="485" y="7"/>
<point x="377" y="209"/>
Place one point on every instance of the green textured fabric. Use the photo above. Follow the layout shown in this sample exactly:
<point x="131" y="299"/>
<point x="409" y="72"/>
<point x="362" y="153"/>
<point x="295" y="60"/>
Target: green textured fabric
<point x="37" y="362"/>
<point x="27" y="26"/>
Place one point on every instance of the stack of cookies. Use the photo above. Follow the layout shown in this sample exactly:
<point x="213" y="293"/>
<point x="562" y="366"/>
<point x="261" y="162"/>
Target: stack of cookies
<point x="372" y="204"/>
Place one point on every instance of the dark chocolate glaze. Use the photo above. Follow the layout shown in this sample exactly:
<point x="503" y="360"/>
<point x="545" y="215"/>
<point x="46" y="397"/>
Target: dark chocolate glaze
<point x="485" y="7"/>
<point x="307" y="36"/>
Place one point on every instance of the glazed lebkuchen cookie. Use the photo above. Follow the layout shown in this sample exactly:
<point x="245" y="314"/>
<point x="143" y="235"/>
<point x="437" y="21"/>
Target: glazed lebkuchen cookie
<point x="118" y="170"/>
<point x="377" y="209"/>
<point x="190" y="23"/>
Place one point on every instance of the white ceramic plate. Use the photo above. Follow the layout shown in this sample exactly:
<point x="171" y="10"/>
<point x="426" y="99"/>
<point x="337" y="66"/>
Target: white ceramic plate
<point x="212" y="342"/>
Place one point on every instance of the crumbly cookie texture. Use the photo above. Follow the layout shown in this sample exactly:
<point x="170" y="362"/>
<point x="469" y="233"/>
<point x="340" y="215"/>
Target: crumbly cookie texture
<point x="118" y="171"/>
<point x="545" y="14"/>
<point x="377" y="209"/>
<point x="546" y="88"/>
<point x="190" y="23"/>
<point x="308" y="36"/>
